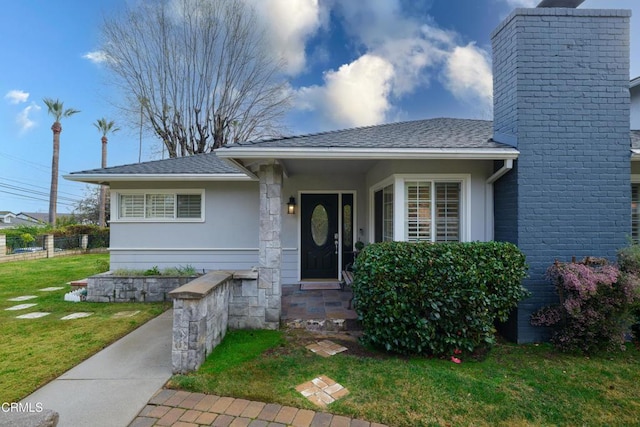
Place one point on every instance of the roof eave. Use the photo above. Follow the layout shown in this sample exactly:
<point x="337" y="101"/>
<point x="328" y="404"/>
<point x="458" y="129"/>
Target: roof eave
<point x="367" y="153"/>
<point x="101" y="178"/>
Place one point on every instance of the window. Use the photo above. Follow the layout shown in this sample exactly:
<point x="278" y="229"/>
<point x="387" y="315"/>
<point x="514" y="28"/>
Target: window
<point x="383" y="214"/>
<point x="160" y="205"/>
<point x="420" y="207"/>
<point x="432" y="211"/>
<point x="387" y="213"/>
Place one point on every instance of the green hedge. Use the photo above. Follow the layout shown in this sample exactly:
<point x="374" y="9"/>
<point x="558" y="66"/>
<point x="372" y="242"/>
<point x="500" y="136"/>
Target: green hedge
<point x="436" y="299"/>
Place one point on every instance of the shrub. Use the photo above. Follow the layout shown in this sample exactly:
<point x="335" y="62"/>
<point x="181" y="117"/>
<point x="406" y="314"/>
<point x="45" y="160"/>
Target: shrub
<point x="98" y="236"/>
<point x="436" y="299"/>
<point x="629" y="262"/>
<point x="595" y="305"/>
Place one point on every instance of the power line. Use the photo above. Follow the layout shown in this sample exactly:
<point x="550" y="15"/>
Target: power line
<point x="37" y="193"/>
<point x="36" y="186"/>
<point x="35" y="198"/>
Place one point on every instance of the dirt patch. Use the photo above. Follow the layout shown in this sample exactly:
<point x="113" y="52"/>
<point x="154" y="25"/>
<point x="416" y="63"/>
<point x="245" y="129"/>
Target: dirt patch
<point x="299" y="339"/>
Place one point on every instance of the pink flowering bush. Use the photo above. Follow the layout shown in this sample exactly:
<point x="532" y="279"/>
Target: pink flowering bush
<point x="596" y="301"/>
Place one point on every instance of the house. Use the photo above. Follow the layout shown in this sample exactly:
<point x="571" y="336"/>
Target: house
<point x="11" y="220"/>
<point x="552" y="173"/>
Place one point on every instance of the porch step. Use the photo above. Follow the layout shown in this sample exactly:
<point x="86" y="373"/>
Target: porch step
<point x="329" y="325"/>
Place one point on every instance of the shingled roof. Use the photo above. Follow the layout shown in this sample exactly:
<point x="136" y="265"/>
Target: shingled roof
<point x="199" y="167"/>
<point x="430" y="133"/>
<point x="435" y="134"/>
<point x="204" y="164"/>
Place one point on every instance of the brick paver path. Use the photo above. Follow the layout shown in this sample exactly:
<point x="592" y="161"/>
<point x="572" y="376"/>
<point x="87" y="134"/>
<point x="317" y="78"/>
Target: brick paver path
<point x="183" y="409"/>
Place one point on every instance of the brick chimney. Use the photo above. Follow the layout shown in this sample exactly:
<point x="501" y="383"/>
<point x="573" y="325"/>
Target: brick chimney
<point x="561" y="97"/>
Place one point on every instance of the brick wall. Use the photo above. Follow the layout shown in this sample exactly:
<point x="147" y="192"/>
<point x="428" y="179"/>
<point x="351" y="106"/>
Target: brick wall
<point x="561" y="78"/>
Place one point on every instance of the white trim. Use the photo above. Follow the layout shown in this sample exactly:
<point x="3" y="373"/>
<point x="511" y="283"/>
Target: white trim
<point x="115" y="205"/>
<point x="506" y="167"/>
<point x="102" y="178"/>
<point x="635" y="155"/>
<point x="367" y="153"/>
<point x="399" y="208"/>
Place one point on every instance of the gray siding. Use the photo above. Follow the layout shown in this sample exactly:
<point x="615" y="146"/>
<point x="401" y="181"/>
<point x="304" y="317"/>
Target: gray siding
<point x="569" y="73"/>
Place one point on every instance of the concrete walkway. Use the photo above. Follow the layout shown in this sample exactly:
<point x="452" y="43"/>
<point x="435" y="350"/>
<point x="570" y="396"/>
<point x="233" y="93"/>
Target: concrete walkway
<point x="111" y="387"/>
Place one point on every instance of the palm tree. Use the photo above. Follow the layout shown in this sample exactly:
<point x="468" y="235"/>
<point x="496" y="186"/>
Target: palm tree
<point x="56" y="109"/>
<point x="104" y="127"/>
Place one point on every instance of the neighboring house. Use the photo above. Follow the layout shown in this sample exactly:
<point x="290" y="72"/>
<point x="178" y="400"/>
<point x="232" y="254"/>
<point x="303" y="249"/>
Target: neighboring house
<point x="552" y="173"/>
<point x="11" y="220"/>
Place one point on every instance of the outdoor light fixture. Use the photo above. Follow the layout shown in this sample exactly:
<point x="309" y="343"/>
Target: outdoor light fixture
<point x="291" y="206"/>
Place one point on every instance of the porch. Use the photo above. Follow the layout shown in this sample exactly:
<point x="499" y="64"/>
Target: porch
<point x="318" y="308"/>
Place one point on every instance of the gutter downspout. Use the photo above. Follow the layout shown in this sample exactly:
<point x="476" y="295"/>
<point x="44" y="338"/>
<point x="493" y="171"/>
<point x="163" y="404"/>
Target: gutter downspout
<point x="489" y="224"/>
<point x="506" y="167"/>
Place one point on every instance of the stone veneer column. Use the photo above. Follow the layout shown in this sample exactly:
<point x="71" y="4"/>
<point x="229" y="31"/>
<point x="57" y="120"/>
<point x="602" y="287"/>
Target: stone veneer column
<point x="270" y="256"/>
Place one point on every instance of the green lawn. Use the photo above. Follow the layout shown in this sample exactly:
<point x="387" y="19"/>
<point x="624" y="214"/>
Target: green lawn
<point x="526" y="385"/>
<point x="35" y="351"/>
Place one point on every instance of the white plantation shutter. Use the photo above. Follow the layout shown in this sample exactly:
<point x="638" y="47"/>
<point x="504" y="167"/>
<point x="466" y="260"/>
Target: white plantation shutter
<point x="447" y="214"/>
<point x="159" y="206"/>
<point x="433" y="211"/>
<point x="132" y="206"/>
<point x="189" y="206"/>
<point x="418" y="197"/>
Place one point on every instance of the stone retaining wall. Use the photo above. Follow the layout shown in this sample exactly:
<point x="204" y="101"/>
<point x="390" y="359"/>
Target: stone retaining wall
<point x="106" y="287"/>
<point x="204" y="308"/>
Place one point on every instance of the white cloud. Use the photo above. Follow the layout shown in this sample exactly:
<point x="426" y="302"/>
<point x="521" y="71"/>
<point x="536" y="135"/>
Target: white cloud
<point x="97" y="56"/>
<point x="354" y="95"/>
<point x="400" y="55"/>
<point x="289" y="25"/>
<point x="467" y="74"/>
<point x="24" y="120"/>
<point x="17" y="96"/>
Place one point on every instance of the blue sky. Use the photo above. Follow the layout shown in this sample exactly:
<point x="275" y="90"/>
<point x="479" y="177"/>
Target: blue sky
<point x="349" y="63"/>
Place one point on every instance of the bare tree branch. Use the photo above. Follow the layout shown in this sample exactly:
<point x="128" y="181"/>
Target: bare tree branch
<point x="199" y="72"/>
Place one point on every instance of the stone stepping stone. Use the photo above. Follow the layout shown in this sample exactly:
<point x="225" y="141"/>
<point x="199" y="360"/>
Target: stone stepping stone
<point x="123" y="314"/>
<point x="78" y="315"/>
<point x="20" y="307"/>
<point x="326" y="348"/>
<point x="23" y="298"/>
<point x="322" y="390"/>
<point x="51" y="289"/>
<point x="34" y="315"/>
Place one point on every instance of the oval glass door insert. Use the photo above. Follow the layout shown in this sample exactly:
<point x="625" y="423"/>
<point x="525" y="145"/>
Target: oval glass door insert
<point x="319" y="225"/>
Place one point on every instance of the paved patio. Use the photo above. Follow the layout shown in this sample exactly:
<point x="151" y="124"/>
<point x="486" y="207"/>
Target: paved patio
<point x="184" y="409"/>
<point x="327" y="309"/>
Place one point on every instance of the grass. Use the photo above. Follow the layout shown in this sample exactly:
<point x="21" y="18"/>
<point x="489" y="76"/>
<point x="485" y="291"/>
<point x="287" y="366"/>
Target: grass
<point x="515" y="385"/>
<point x="35" y="351"/>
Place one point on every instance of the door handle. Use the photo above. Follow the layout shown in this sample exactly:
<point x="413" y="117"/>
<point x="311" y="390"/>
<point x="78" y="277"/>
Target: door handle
<point x="335" y="241"/>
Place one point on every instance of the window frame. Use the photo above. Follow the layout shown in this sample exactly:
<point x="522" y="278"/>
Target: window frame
<point x="400" y="203"/>
<point x="116" y="212"/>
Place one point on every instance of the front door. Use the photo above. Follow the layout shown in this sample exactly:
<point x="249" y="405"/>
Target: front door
<point x="319" y="236"/>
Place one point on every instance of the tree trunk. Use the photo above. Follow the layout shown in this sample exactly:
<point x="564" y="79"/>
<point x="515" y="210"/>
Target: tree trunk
<point x="56" y="128"/>
<point x="103" y="188"/>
